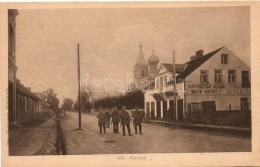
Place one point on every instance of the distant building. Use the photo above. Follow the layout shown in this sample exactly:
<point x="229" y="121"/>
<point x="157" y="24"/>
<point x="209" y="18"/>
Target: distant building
<point x="12" y="68"/>
<point x="27" y="102"/>
<point x="22" y="103"/>
<point x="40" y="96"/>
<point x="207" y="85"/>
<point x="145" y="70"/>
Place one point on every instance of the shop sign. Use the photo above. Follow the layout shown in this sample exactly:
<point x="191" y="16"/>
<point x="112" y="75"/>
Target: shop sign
<point x="217" y="89"/>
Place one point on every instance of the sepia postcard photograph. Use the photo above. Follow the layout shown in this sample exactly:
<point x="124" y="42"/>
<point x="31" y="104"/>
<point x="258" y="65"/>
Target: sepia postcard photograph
<point x="129" y="82"/>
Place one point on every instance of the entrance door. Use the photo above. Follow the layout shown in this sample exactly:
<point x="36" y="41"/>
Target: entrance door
<point x="152" y="110"/>
<point x="172" y="110"/>
<point x="180" y="109"/>
<point x="10" y="102"/>
<point x="208" y="109"/>
<point x="164" y="109"/>
<point x="158" y="109"/>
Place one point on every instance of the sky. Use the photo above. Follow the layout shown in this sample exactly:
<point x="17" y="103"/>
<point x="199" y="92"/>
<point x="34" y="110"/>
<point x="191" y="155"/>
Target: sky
<point x="46" y="41"/>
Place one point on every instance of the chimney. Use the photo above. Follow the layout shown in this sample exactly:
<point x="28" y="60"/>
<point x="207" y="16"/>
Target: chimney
<point x="199" y="53"/>
<point x="192" y="58"/>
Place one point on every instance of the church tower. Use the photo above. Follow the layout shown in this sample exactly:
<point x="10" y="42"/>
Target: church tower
<point x="141" y="66"/>
<point x="153" y="61"/>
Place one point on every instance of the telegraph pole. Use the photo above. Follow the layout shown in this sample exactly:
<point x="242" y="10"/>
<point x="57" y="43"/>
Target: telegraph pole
<point x="174" y="86"/>
<point x="79" y="87"/>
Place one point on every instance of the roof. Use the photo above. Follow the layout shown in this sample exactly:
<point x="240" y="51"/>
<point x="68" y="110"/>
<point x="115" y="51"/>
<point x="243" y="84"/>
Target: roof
<point x="140" y="58"/>
<point x="25" y="91"/>
<point x="178" y="67"/>
<point x="194" y="64"/>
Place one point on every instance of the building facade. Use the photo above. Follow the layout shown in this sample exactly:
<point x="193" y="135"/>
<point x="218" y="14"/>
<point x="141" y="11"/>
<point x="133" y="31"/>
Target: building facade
<point x="27" y="102"/>
<point x="208" y="86"/>
<point x="22" y="103"/>
<point x="12" y="68"/>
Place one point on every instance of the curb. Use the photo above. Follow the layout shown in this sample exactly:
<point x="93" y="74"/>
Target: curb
<point x="202" y="127"/>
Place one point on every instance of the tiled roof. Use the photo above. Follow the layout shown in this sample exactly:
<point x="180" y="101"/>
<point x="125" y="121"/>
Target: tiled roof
<point x="194" y="64"/>
<point x="25" y="91"/>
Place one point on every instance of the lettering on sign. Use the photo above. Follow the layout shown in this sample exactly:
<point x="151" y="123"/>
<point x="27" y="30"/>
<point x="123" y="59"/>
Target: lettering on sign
<point x="238" y="91"/>
<point x="217" y="89"/>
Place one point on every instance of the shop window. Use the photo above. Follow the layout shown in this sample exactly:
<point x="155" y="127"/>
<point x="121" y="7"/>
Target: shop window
<point x="224" y="58"/>
<point x="231" y="76"/>
<point x="245" y="79"/>
<point x="218" y="76"/>
<point x="204" y="76"/>
<point x="244" y="103"/>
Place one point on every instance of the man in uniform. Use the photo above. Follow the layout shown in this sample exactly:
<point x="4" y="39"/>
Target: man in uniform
<point x="138" y="120"/>
<point x="115" y="119"/>
<point x="107" y="118"/>
<point x="143" y="115"/>
<point x="102" y="120"/>
<point x="125" y="121"/>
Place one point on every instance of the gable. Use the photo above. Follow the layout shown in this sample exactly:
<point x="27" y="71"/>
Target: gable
<point x="214" y="62"/>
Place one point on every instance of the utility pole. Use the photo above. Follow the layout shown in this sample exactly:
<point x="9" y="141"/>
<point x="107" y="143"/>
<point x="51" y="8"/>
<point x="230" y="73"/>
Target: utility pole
<point x="174" y="86"/>
<point x="79" y="88"/>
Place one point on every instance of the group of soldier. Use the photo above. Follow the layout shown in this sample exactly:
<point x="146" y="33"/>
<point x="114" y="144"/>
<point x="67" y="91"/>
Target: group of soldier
<point x="105" y="118"/>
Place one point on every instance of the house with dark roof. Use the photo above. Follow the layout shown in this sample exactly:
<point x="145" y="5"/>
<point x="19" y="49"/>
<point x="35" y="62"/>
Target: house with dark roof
<point x="27" y="102"/>
<point x="206" y="85"/>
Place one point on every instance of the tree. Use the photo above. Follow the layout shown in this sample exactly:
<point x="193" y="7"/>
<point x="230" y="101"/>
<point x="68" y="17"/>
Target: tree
<point x="85" y="103"/>
<point x="131" y="100"/>
<point x="67" y="104"/>
<point x="50" y="100"/>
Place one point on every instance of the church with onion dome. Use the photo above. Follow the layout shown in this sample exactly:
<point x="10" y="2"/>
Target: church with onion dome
<point x="145" y="71"/>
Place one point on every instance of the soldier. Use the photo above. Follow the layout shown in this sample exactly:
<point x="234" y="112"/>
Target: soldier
<point x="115" y="119"/>
<point x="125" y="121"/>
<point x="107" y="118"/>
<point x="138" y="120"/>
<point x="101" y="120"/>
<point x="143" y="115"/>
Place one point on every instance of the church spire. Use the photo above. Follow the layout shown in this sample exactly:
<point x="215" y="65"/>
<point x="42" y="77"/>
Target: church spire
<point x="140" y="58"/>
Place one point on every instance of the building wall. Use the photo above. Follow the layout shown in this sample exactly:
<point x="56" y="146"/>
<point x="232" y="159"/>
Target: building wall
<point x="11" y="65"/>
<point x="26" y="107"/>
<point x="228" y="93"/>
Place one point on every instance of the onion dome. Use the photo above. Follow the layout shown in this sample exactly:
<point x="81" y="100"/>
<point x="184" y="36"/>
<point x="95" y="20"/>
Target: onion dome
<point x="153" y="59"/>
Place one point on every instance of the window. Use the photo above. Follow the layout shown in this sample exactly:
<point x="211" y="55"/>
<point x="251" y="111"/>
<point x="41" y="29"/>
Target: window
<point x="218" y="76"/>
<point x="157" y="83"/>
<point x="244" y="103"/>
<point x="224" y="58"/>
<point x="161" y="82"/>
<point x="245" y="79"/>
<point x="165" y="80"/>
<point x="231" y="76"/>
<point x="204" y="76"/>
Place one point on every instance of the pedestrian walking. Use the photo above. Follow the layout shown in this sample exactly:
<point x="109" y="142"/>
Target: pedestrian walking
<point x="101" y="120"/>
<point x="107" y="118"/>
<point x="115" y="120"/>
<point x="138" y="117"/>
<point x="125" y="121"/>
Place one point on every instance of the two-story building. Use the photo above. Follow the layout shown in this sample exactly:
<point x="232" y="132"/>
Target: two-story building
<point x="207" y="85"/>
